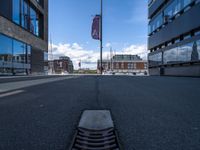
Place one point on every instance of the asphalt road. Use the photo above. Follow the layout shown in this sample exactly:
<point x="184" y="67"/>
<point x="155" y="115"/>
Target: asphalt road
<point x="150" y="113"/>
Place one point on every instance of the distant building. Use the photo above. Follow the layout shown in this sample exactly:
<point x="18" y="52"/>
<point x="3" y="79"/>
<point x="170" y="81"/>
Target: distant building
<point x="124" y="64"/>
<point x="23" y="36"/>
<point x="62" y="65"/>
<point x="174" y="37"/>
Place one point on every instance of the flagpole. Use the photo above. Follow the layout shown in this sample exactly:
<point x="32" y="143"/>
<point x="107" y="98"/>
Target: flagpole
<point x="101" y="38"/>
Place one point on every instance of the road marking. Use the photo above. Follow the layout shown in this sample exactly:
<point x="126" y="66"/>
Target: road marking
<point x="11" y="93"/>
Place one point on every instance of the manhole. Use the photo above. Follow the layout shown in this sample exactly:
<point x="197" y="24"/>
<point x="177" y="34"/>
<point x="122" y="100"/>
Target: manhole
<point x="95" y="132"/>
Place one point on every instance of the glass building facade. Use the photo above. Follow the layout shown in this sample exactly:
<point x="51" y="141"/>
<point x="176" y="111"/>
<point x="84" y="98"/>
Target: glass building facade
<point x="15" y="56"/>
<point x="25" y="15"/>
<point x="174" y="35"/>
<point x="23" y="36"/>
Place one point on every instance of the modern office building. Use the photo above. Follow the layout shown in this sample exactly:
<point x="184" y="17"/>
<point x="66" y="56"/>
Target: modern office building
<point x="174" y="37"/>
<point x="63" y="65"/>
<point x="23" y="36"/>
<point x="124" y="64"/>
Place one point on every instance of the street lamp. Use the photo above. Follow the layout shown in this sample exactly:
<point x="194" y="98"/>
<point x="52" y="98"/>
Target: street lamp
<point x="101" y="37"/>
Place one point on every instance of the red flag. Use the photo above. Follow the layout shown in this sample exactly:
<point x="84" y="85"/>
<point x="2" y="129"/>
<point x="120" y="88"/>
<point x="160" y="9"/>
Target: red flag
<point x="96" y="27"/>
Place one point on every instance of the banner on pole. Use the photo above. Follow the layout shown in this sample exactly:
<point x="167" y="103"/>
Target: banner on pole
<point x="96" y="27"/>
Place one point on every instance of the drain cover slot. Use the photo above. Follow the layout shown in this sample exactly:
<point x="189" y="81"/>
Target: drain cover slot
<point x="95" y="132"/>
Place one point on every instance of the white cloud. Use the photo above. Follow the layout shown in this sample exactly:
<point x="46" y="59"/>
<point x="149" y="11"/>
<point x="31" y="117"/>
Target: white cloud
<point x="89" y="57"/>
<point x="108" y="45"/>
<point x="135" y="49"/>
<point x="140" y="50"/>
<point x="77" y="53"/>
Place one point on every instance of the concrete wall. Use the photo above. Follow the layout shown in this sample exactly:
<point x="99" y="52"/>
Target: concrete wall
<point x="37" y="61"/>
<point x="188" y="70"/>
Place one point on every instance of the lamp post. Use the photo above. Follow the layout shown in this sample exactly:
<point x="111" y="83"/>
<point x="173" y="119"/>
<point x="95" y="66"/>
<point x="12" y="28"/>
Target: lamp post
<point x="101" y="37"/>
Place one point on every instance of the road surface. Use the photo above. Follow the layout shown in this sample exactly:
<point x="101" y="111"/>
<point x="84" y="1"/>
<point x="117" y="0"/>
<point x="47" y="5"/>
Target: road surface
<point x="149" y="113"/>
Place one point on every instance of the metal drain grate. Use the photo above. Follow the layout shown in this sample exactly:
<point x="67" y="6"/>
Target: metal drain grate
<point x="95" y="140"/>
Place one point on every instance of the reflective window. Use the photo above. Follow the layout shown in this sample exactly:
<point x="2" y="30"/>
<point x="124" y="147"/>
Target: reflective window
<point x="5" y="49"/>
<point x="186" y="2"/>
<point x="185" y="53"/>
<point x="170" y="10"/>
<point x="34" y="22"/>
<point x="24" y="14"/>
<point x="14" y="56"/>
<point x="19" y="55"/>
<point x="170" y="56"/>
<point x="155" y="59"/>
<point x="198" y="48"/>
<point x="168" y="13"/>
<point x="16" y="11"/>
<point x="195" y="53"/>
<point x="155" y="23"/>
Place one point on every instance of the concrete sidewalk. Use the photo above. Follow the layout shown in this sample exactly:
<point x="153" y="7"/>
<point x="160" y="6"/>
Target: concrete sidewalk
<point x="10" y="86"/>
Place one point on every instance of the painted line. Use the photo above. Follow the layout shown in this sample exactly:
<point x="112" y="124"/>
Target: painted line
<point x="11" y="93"/>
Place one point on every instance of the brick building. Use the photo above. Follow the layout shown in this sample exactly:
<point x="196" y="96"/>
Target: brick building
<point x="62" y="65"/>
<point x="124" y="64"/>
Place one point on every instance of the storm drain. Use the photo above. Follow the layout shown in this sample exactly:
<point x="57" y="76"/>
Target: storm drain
<point x="95" y="132"/>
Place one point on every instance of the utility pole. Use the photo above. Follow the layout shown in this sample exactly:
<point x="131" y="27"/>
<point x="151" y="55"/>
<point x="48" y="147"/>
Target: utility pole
<point x="101" y="38"/>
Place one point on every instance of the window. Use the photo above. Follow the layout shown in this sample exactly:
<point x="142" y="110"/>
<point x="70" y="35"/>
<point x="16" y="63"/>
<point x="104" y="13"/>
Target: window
<point x="24" y="14"/>
<point x="155" y="23"/>
<point x="129" y="65"/>
<point x="134" y="66"/>
<point x="186" y="2"/>
<point x="170" y="56"/>
<point x="195" y="53"/>
<point x="117" y="65"/>
<point x="34" y="22"/>
<point x="172" y="9"/>
<point x="169" y="14"/>
<point x="122" y="65"/>
<point x="185" y="52"/>
<point x="14" y="55"/>
<point x="19" y="52"/>
<point x="16" y="11"/>
<point x="155" y="59"/>
<point x="27" y="16"/>
<point x="5" y="49"/>
<point x="198" y="48"/>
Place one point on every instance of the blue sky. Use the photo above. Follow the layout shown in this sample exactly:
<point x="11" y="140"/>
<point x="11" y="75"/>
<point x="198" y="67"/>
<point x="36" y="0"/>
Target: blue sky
<point x="124" y="28"/>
